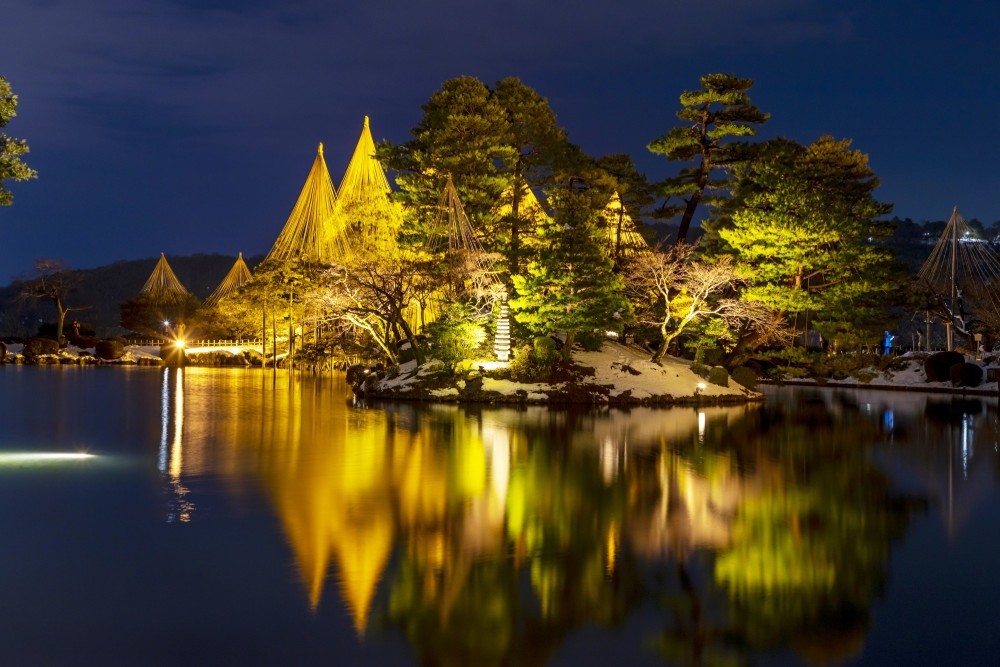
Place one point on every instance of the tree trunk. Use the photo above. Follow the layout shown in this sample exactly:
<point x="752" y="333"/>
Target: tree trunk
<point x="62" y="320"/>
<point x="408" y="334"/>
<point x="515" y="227"/>
<point x="682" y="231"/>
<point x="567" y="351"/>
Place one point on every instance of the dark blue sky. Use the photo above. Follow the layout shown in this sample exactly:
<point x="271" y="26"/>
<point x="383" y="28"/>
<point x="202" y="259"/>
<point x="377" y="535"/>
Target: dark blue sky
<point x="183" y="126"/>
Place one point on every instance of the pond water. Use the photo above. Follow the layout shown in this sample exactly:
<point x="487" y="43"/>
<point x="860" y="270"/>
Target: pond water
<point x="229" y="516"/>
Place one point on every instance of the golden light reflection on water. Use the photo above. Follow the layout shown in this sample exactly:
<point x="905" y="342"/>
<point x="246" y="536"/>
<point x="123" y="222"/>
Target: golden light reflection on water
<point x="449" y="488"/>
<point x="467" y="503"/>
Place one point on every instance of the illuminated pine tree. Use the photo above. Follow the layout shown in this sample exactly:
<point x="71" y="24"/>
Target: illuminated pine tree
<point x="463" y="133"/>
<point x="569" y="285"/>
<point x="806" y="236"/>
<point x="713" y="117"/>
<point x="12" y="167"/>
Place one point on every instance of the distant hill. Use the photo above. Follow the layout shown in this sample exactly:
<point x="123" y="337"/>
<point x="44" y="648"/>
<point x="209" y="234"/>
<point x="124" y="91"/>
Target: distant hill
<point x="105" y="288"/>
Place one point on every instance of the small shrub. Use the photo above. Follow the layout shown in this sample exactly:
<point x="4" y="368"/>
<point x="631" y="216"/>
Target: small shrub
<point x="745" y="377"/>
<point x="591" y="340"/>
<point x="544" y="349"/>
<point x="713" y="356"/>
<point x="965" y="375"/>
<point x="456" y="335"/>
<point x="938" y="365"/>
<point x="109" y="350"/>
<point x="36" y="347"/>
<point x="864" y="375"/>
<point x="3" y="352"/>
<point x="525" y="367"/>
<point x="718" y="375"/>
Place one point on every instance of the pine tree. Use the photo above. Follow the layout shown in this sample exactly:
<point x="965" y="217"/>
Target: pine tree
<point x="569" y="285"/>
<point x="12" y="168"/>
<point x="495" y="145"/>
<point x="464" y="133"/>
<point x="714" y="116"/>
<point x="541" y="155"/>
<point x="805" y="236"/>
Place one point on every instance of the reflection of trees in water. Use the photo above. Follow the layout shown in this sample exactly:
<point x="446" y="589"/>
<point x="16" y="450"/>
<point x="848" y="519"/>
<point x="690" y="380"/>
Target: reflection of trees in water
<point x="494" y="533"/>
<point x="513" y="600"/>
<point x="809" y="543"/>
<point x="948" y="443"/>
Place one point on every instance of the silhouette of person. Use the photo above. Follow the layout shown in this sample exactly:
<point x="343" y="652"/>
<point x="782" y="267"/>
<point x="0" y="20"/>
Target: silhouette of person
<point x="887" y="342"/>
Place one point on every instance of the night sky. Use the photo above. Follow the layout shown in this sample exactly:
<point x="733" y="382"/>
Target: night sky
<point x="186" y="126"/>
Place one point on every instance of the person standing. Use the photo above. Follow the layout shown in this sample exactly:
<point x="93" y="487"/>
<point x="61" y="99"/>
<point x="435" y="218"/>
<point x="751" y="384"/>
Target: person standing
<point x="887" y="342"/>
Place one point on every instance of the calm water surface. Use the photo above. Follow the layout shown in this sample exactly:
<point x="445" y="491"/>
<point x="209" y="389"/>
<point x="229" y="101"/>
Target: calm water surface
<point x="238" y="517"/>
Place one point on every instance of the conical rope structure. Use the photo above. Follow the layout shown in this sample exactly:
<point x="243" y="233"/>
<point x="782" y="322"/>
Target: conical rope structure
<point x="468" y="260"/>
<point x="470" y="264"/>
<point x="623" y="238"/>
<point x="313" y="231"/>
<point x="363" y="201"/>
<point x="163" y="281"/>
<point x="963" y="272"/>
<point x="529" y="207"/>
<point x="237" y="277"/>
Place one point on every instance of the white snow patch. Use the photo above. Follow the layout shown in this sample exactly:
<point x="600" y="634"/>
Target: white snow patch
<point x="406" y="377"/>
<point x="509" y="388"/>
<point x="672" y="376"/>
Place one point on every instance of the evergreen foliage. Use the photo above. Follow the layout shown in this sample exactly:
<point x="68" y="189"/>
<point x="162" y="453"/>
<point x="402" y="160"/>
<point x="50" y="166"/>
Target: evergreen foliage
<point x="12" y="167"/>
<point x="145" y="314"/>
<point x="495" y="145"/>
<point x="716" y="118"/>
<point x="456" y="334"/>
<point x="464" y="132"/>
<point x="803" y="236"/>
<point x="569" y="285"/>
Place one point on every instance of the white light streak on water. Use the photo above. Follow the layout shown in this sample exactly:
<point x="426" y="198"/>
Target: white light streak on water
<point x="28" y="458"/>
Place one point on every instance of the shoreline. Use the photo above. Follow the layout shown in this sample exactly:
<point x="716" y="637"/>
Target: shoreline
<point x="928" y="388"/>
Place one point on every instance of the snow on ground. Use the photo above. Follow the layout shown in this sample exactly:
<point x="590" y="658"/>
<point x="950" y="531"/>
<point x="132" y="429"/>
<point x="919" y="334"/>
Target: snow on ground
<point x="626" y="370"/>
<point x="535" y="390"/>
<point x="672" y="376"/>
<point x="912" y="376"/>
<point x="406" y="377"/>
<point x="133" y="353"/>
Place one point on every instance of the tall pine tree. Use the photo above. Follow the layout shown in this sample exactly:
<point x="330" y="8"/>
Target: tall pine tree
<point x="569" y="285"/>
<point x="464" y="132"/>
<point x="540" y="155"/>
<point x="12" y="167"/>
<point x="806" y="237"/>
<point x="715" y="118"/>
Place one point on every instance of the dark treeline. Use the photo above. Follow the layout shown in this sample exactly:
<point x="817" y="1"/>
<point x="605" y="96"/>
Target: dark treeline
<point x="100" y="291"/>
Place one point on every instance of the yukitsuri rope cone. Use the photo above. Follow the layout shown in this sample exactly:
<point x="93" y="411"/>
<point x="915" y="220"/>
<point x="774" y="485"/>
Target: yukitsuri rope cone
<point x="363" y="199"/>
<point x="237" y="277"/>
<point x="623" y="238"/>
<point x="313" y="231"/>
<point x="163" y="280"/>
<point x="964" y="272"/>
